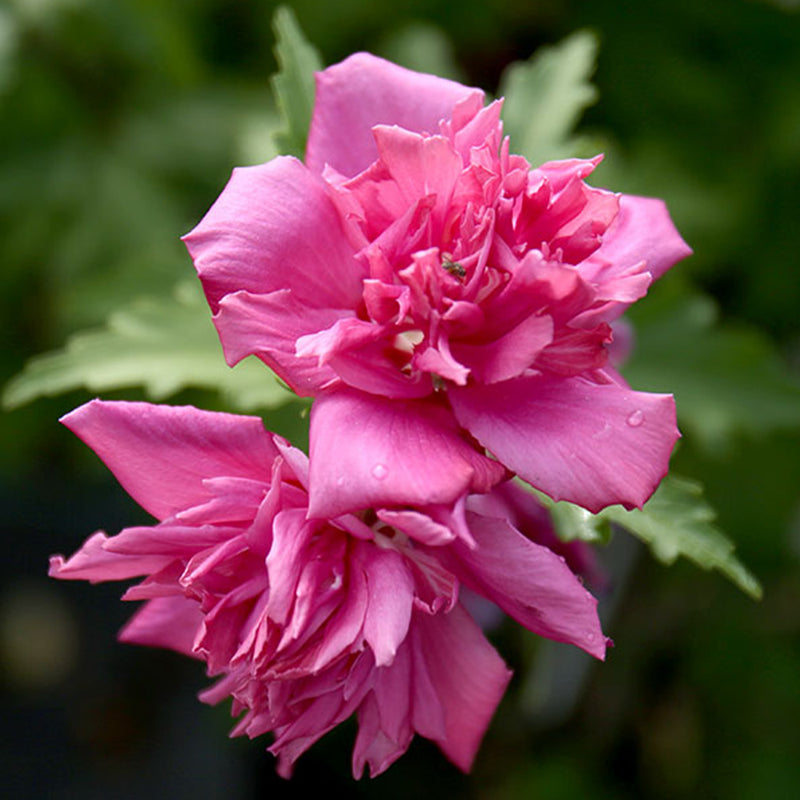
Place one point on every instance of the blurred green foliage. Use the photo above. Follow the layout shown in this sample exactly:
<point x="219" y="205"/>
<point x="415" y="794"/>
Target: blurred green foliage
<point x="293" y="84"/>
<point x="674" y="522"/>
<point x="546" y="95"/>
<point x="163" y="344"/>
<point x="119" y="123"/>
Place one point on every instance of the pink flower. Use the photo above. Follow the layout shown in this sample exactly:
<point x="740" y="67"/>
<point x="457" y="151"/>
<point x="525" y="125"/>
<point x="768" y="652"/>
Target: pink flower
<point x="413" y="258"/>
<point x="307" y="619"/>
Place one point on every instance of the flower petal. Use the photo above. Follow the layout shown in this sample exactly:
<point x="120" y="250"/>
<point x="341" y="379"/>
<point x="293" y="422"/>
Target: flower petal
<point x="268" y="326"/>
<point x="468" y="676"/>
<point x="169" y="539"/>
<point x="94" y="563"/>
<point x="418" y="526"/>
<point x="290" y="535"/>
<point x="373" y="370"/>
<point x="373" y="452"/>
<point x="170" y="622"/>
<point x="363" y="91"/>
<point x="373" y="745"/>
<point x="530" y="583"/>
<point x="522" y="509"/>
<point x="344" y="629"/>
<point x="591" y="444"/>
<point x="162" y="454"/>
<point x="391" y="594"/>
<point x="642" y="231"/>
<point x="418" y="165"/>
<point x="347" y="334"/>
<point x="508" y="355"/>
<point x="274" y="227"/>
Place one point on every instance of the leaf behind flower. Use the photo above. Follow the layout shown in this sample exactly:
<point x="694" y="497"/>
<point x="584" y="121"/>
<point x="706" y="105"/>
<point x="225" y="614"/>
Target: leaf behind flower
<point x="424" y="47"/>
<point x="546" y="95"/>
<point x="163" y="344"/>
<point x="676" y="521"/>
<point x="293" y="84"/>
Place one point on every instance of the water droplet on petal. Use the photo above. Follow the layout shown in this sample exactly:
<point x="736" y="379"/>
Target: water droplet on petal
<point x="379" y="471"/>
<point x="636" y="418"/>
<point x="589" y="637"/>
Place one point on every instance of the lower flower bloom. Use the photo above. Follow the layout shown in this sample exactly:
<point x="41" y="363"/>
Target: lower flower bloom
<point x="307" y="619"/>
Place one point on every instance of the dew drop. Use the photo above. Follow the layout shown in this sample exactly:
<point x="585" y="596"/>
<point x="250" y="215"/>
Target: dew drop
<point x="589" y="637"/>
<point x="636" y="418"/>
<point x="379" y="472"/>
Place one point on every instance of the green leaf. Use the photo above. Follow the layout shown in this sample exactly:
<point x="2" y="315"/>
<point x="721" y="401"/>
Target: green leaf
<point x="727" y="379"/>
<point x="573" y="522"/>
<point x="424" y="47"/>
<point x="546" y="95"/>
<point x="162" y="344"/>
<point x="293" y="84"/>
<point x="677" y="521"/>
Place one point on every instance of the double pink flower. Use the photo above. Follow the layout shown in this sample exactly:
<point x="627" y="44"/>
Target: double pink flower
<point x="439" y="299"/>
<point x="310" y="619"/>
<point x="413" y="268"/>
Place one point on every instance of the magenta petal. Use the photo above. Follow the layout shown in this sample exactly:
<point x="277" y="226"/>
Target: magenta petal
<point x="418" y="526"/>
<point x="290" y="535"/>
<point x="162" y="454"/>
<point x="427" y="711"/>
<point x="384" y="719"/>
<point x="274" y="227"/>
<point x="170" y="622"/>
<point x="522" y="509"/>
<point x="591" y="444"/>
<point x="168" y="539"/>
<point x="642" y="231"/>
<point x="508" y="355"/>
<point x="392" y="689"/>
<point x="363" y="91"/>
<point x="391" y="594"/>
<point x="530" y="583"/>
<point x="268" y="326"/>
<point x="319" y="716"/>
<point x="420" y="166"/>
<point x="468" y="676"/>
<point x="372" y="370"/>
<point x="373" y="746"/>
<point x="95" y="563"/>
<point x="343" y="630"/>
<point x="344" y="335"/>
<point x="296" y="462"/>
<point x="373" y="452"/>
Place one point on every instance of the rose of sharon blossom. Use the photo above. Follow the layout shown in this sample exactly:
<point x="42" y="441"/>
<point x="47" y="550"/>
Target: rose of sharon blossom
<point x="308" y="620"/>
<point x="412" y="257"/>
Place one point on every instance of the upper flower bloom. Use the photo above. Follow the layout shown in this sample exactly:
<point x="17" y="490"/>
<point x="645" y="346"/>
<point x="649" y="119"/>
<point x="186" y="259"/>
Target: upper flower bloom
<point x="307" y="619"/>
<point x="412" y="257"/>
